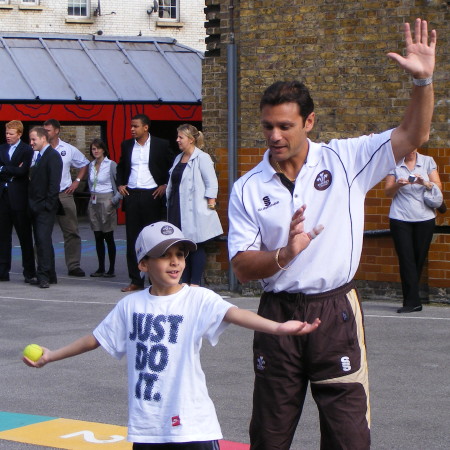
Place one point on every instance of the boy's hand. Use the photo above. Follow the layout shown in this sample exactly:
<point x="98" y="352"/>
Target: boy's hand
<point x="41" y="362"/>
<point x="297" y="328"/>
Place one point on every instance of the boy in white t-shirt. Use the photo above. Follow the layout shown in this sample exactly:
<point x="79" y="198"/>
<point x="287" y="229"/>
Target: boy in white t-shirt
<point x="160" y="330"/>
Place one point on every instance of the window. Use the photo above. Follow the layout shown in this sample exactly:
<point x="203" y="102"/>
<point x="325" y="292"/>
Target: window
<point x="169" y="10"/>
<point x="30" y="2"/>
<point x="79" y="8"/>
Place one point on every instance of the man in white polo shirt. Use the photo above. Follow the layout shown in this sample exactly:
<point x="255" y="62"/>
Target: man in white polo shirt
<point x="72" y="157"/>
<point x="300" y="191"/>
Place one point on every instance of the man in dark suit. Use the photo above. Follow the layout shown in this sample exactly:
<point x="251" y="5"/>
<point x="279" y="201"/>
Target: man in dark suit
<point x="15" y="161"/>
<point x="43" y="202"/>
<point x="142" y="176"/>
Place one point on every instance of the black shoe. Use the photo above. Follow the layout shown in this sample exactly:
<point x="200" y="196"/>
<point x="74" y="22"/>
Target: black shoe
<point x="34" y="282"/>
<point x="44" y="284"/>
<point x="76" y="272"/>
<point x="109" y="275"/>
<point x="29" y="280"/>
<point x="53" y="280"/>
<point x="4" y="278"/>
<point x="409" y="309"/>
<point x="97" y="273"/>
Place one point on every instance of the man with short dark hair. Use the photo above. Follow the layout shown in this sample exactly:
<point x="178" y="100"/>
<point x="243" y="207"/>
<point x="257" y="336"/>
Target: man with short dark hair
<point x="276" y="211"/>
<point x="15" y="161"/>
<point x="43" y="201"/>
<point x="142" y="176"/>
<point x="71" y="157"/>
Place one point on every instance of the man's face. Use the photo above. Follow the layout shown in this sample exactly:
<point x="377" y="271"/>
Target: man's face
<point x="285" y="131"/>
<point x="37" y="142"/>
<point x="12" y="136"/>
<point x="52" y="132"/>
<point x="138" y="129"/>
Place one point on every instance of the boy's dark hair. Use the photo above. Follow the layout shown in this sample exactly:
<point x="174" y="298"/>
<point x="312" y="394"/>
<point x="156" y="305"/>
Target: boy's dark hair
<point x="99" y="144"/>
<point x="143" y="118"/>
<point x="40" y="131"/>
<point x="288" y="92"/>
<point x="53" y="122"/>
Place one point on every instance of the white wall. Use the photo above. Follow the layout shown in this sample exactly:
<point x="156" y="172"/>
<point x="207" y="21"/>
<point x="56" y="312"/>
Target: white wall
<point x="130" y="19"/>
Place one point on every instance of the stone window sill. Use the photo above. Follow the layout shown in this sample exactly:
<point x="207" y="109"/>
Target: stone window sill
<point x="30" y="7"/>
<point x="86" y="20"/>
<point x="167" y="24"/>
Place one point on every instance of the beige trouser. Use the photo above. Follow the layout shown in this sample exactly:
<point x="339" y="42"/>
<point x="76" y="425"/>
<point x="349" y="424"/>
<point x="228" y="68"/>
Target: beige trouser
<point x="69" y="228"/>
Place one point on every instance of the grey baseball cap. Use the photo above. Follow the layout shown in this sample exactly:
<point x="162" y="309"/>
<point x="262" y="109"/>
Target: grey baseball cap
<point x="156" y="238"/>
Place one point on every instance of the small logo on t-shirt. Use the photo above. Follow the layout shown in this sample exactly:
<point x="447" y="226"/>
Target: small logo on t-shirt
<point x="345" y="363"/>
<point x="266" y="201"/>
<point x="260" y="363"/>
<point x="323" y="180"/>
<point x="176" y="422"/>
<point x="63" y="153"/>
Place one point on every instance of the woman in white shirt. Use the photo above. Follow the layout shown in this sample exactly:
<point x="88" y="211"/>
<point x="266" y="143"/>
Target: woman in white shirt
<point x="103" y="204"/>
<point x="191" y="199"/>
<point x="411" y="220"/>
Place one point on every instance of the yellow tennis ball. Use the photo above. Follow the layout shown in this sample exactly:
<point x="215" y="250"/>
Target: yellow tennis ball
<point x="33" y="352"/>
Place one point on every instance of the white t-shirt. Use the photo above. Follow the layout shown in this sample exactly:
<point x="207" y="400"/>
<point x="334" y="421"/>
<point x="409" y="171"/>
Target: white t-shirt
<point x="162" y="337"/>
<point x="140" y="176"/>
<point x="333" y="184"/>
<point x="408" y="204"/>
<point x="72" y="157"/>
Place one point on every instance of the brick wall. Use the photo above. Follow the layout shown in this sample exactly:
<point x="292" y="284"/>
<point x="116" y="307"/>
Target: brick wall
<point x="339" y="51"/>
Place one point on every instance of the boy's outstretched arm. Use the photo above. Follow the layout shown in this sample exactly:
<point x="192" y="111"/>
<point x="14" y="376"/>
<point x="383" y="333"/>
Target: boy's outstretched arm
<point x="249" y="319"/>
<point x="82" y="345"/>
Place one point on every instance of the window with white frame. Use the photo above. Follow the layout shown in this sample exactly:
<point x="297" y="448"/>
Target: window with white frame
<point x="30" y="2"/>
<point x="169" y="10"/>
<point x="79" y="8"/>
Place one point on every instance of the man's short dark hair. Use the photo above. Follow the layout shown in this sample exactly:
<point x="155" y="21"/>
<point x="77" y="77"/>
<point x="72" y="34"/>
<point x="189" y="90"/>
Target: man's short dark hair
<point x="288" y="92"/>
<point x="143" y="118"/>
<point x="53" y="122"/>
<point x="40" y="131"/>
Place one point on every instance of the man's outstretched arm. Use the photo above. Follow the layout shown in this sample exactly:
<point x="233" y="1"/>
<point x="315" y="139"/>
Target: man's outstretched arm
<point x="419" y="62"/>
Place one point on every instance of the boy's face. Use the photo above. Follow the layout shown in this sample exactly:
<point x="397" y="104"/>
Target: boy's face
<point x="165" y="271"/>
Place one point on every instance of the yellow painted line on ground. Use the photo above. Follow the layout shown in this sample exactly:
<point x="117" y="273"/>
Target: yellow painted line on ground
<point x="71" y="434"/>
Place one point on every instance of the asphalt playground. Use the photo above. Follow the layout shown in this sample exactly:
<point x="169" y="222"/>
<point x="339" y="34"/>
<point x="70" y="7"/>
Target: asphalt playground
<point x="80" y="403"/>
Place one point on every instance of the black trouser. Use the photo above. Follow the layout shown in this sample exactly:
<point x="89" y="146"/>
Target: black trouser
<point x="141" y="209"/>
<point x="43" y="222"/>
<point x="333" y="359"/>
<point x="412" y="241"/>
<point x="9" y="217"/>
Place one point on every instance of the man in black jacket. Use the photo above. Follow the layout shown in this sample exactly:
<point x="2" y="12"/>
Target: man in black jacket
<point x="142" y="176"/>
<point x="15" y="161"/>
<point x="43" y="202"/>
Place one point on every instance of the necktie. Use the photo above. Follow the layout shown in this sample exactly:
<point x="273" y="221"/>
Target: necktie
<point x="38" y="158"/>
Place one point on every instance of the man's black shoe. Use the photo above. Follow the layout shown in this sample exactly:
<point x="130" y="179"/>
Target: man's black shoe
<point x="4" y="278"/>
<point x="34" y="282"/>
<point x="44" y="284"/>
<point x="53" y="280"/>
<point x="409" y="309"/>
<point x="30" y="280"/>
<point x="77" y="272"/>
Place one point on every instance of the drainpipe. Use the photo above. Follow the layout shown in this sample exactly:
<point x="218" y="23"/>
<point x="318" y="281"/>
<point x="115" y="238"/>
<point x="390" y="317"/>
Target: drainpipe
<point x="232" y="121"/>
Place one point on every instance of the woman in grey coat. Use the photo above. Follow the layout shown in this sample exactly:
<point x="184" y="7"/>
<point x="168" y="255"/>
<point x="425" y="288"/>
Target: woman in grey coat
<point x="103" y="204"/>
<point x="191" y="199"/>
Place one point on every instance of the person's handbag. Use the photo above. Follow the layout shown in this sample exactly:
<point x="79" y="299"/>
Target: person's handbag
<point x="433" y="198"/>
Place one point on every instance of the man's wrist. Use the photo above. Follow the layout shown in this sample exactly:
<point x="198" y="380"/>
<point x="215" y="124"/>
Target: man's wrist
<point x="422" y="81"/>
<point x="77" y="179"/>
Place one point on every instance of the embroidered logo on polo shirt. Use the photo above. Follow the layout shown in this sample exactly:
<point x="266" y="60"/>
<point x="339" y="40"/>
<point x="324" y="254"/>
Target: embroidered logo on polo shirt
<point x="63" y="153"/>
<point x="323" y="180"/>
<point x="176" y="422"/>
<point x="267" y="203"/>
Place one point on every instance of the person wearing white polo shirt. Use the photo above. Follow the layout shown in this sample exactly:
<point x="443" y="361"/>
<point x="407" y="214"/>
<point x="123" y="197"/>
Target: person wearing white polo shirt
<point x="72" y="157"/>
<point x="296" y="224"/>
